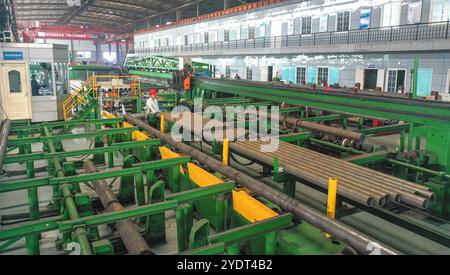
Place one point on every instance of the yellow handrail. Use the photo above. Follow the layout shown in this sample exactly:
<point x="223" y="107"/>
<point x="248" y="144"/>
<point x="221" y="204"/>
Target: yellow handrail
<point x="92" y="84"/>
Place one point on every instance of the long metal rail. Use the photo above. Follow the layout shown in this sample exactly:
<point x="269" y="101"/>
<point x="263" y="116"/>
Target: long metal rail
<point x="341" y="232"/>
<point x="411" y="110"/>
<point x="132" y="239"/>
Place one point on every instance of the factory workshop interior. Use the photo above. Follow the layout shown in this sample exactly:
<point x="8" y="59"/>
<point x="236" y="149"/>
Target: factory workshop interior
<point x="225" y="127"/>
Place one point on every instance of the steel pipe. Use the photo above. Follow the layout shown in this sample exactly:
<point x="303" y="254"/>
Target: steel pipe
<point x="298" y="123"/>
<point x="305" y="164"/>
<point x="353" y="238"/>
<point x="4" y="134"/>
<point x="131" y="237"/>
<point x="301" y="161"/>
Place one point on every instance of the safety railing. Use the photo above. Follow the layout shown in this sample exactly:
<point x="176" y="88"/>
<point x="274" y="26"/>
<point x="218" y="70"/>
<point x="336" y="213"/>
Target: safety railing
<point x="76" y="97"/>
<point x="111" y="84"/>
<point x="415" y="32"/>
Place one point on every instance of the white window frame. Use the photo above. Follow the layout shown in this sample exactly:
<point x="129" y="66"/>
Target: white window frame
<point x="317" y="74"/>
<point x="327" y="21"/>
<point x="246" y="72"/>
<point x="399" y="14"/>
<point x="421" y="9"/>
<point x="301" y="25"/>
<point x="431" y="12"/>
<point x="349" y="20"/>
<point x="306" y="73"/>
<point x="387" y="77"/>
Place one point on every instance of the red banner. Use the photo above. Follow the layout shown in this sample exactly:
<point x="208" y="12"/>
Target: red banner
<point x="56" y="35"/>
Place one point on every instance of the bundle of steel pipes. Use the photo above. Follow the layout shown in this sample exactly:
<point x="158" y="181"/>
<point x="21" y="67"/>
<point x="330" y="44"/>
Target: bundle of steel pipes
<point x="340" y="232"/>
<point x="355" y="182"/>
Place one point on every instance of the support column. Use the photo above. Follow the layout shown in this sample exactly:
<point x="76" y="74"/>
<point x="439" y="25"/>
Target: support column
<point x="226" y="4"/>
<point x="178" y="14"/>
<point x="118" y="52"/>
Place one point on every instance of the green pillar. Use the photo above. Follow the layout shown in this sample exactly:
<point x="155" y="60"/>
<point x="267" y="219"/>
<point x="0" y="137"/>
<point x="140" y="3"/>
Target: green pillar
<point x="415" y="77"/>
<point x="32" y="242"/>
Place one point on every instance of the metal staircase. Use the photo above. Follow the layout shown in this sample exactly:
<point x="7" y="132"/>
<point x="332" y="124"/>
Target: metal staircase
<point x="79" y="99"/>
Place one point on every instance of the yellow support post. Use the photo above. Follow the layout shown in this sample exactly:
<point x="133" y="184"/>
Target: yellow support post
<point x="331" y="205"/>
<point x="225" y="152"/>
<point x="162" y="124"/>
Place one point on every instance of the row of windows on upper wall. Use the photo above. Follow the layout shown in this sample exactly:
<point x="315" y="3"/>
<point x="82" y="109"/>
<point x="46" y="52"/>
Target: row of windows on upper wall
<point x="391" y="14"/>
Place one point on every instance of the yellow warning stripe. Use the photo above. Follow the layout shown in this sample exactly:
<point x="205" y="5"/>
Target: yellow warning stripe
<point x="247" y="206"/>
<point x="136" y="135"/>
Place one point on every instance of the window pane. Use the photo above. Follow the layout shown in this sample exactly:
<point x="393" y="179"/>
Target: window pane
<point x="41" y="79"/>
<point x="61" y="78"/>
<point x="227" y="36"/>
<point x="343" y="21"/>
<point x="15" y="84"/>
<point x="249" y="73"/>
<point x="306" y="25"/>
<point x="322" y="76"/>
<point x="251" y="32"/>
<point x="392" y="81"/>
<point x="446" y="11"/>
<point x="414" y="12"/>
<point x="301" y="75"/>
<point x="323" y="23"/>
<point x="391" y="14"/>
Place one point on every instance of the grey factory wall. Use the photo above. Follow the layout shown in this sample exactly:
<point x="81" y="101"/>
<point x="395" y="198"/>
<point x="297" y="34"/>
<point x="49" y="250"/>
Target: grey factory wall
<point x="348" y="66"/>
<point x="285" y="20"/>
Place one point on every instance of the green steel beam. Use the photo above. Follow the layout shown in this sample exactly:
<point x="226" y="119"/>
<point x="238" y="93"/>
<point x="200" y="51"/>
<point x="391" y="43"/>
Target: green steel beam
<point x="214" y="249"/>
<point x="326" y="118"/>
<point x="369" y="158"/>
<point x="386" y="129"/>
<point x="42" y="139"/>
<point x="148" y="210"/>
<point x="434" y="114"/>
<point x="45" y="225"/>
<point x="106" y="174"/>
<point x="420" y="169"/>
<point x="336" y="146"/>
<point x="114" y="148"/>
<point x="67" y="123"/>
<point x="151" y="74"/>
<point x="249" y="231"/>
<point x="29" y="228"/>
<point x="295" y="137"/>
<point x="24" y="184"/>
<point x="94" y="68"/>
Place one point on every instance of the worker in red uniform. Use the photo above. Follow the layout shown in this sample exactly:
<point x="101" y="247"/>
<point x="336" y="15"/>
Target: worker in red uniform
<point x="328" y="89"/>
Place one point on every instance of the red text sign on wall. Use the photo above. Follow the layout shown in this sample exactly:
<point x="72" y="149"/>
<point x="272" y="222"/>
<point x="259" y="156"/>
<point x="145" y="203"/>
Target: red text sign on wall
<point x="65" y="35"/>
